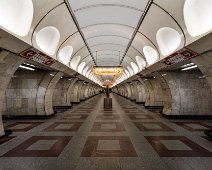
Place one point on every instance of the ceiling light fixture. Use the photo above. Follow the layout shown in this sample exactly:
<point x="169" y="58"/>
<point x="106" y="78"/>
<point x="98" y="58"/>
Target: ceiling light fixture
<point x="28" y="68"/>
<point x="188" y="68"/>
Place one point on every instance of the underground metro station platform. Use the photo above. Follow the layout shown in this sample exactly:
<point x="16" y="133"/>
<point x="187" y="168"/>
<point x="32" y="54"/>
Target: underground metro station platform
<point x="105" y="85"/>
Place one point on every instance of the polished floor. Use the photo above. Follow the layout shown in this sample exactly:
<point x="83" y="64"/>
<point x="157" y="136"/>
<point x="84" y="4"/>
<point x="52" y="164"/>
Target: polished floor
<point x="89" y="138"/>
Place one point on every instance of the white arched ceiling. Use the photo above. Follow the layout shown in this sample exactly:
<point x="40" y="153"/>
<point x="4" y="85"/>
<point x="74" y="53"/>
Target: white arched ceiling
<point x="88" y="72"/>
<point x="80" y="67"/>
<point x="134" y="67"/>
<point x="107" y="35"/>
<point x="130" y="70"/>
<point x="65" y="54"/>
<point x="75" y="62"/>
<point x="198" y="22"/>
<point x="127" y="73"/>
<point x="16" y="16"/>
<point x="75" y="41"/>
<point x="108" y="29"/>
<point x="141" y="62"/>
<point x="47" y="40"/>
<point x="140" y="41"/>
<point x="60" y="18"/>
<point x="161" y="19"/>
<point x="85" y="70"/>
<point x="150" y="54"/>
<point x="175" y="8"/>
<point x="106" y="15"/>
<point x="168" y="40"/>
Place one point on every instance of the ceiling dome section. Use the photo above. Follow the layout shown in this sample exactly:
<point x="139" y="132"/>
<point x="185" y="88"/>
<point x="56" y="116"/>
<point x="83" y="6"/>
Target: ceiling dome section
<point x="134" y="67"/>
<point x="81" y="67"/>
<point x="85" y="70"/>
<point x="75" y="62"/>
<point x="47" y="39"/>
<point x="130" y="70"/>
<point x="168" y="40"/>
<point x="16" y="16"/>
<point x="198" y="22"/>
<point x="127" y="73"/>
<point x="65" y="54"/>
<point x="141" y="62"/>
<point x="151" y="55"/>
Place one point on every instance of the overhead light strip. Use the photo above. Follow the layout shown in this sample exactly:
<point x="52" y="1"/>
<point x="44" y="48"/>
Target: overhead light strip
<point x="188" y="68"/>
<point x="27" y="68"/>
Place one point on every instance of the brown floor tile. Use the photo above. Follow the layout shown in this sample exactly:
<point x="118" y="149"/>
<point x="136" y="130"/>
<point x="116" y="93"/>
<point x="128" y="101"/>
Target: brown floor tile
<point x="188" y="126"/>
<point x="207" y="138"/>
<point x="26" y="126"/>
<point x="133" y="111"/>
<point x="82" y="111"/>
<point x="194" y="150"/>
<point x="139" y="116"/>
<point x="108" y="127"/>
<point x="67" y="126"/>
<point x="6" y="139"/>
<point x="152" y="126"/>
<point x="54" y="151"/>
<point x="107" y="117"/>
<point x="75" y="117"/>
<point x="100" y="146"/>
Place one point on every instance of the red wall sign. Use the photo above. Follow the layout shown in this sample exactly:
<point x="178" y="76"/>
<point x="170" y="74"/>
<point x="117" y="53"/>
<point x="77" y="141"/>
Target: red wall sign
<point x="36" y="55"/>
<point x="181" y="55"/>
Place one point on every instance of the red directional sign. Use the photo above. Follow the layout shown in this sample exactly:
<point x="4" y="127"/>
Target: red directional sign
<point x="36" y="55"/>
<point x="181" y="55"/>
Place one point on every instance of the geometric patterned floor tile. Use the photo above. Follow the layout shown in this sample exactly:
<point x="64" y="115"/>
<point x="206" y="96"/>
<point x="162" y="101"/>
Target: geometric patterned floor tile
<point x="82" y="111"/>
<point x="22" y="126"/>
<point x="152" y="126"/>
<point x="207" y="138"/>
<point x="6" y="139"/>
<point x="107" y="111"/>
<point x="194" y="126"/>
<point x="139" y="116"/>
<point x="26" y="149"/>
<point x="63" y="127"/>
<point x="75" y="117"/>
<point x="177" y="146"/>
<point x="107" y="117"/>
<point x="108" y="127"/>
<point x="108" y="146"/>
<point x="133" y="111"/>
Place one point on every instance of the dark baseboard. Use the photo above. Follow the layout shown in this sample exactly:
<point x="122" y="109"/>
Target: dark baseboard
<point x="208" y="133"/>
<point x="142" y="103"/>
<point x="74" y="103"/>
<point x="61" y="107"/>
<point x="154" y="107"/>
<point x="6" y="134"/>
<point x="187" y="116"/>
<point x="12" y="117"/>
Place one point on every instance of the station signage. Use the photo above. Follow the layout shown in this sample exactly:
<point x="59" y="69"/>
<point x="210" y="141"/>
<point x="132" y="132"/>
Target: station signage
<point x="113" y="71"/>
<point x="181" y="55"/>
<point x="36" y="55"/>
